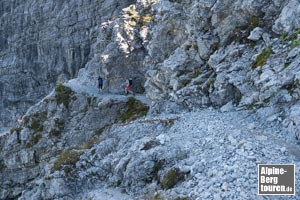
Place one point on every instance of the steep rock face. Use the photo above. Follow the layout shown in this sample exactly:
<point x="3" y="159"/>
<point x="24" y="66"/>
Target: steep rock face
<point x="192" y="53"/>
<point x="59" y="128"/>
<point x="213" y="58"/>
<point x="172" y="49"/>
<point x="203" y="154"/>
<point x="42" y="43"/>
<point x="289" y="18"/>
<point x="120" y="49"/>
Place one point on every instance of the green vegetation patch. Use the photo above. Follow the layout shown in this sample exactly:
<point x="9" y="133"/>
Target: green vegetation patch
<point x="55" y="132"/>
<point x="195" y="74"/>
<point x="35" y="121"/>
<point x="135" y="18"/>
<point x="241" y="33"/>
<point x="59" y="126"/>
<point x="36" y="138"/>
<point x="284" y="35"/>
<point x="88" y="144"/>
<point x="195" y="46"/>
<point x="262" y="58"/>
<point x="36" y="125"/>
<point x="253" y="22"/>
<point x="63" y="95"/>
<point x="18" y="130"/>
<point x="215" y="46"/>
<point x="181" y="73"/>
<point x="59" y="123"/>
<point x="295" y="43"/>
<point x="158" y="165"/>
<point x="66" y="158"/>
<point x="171" y="178"/>
<point x="184" y="83"/>
<point x="187" y="47"/>
<point x="101" y="130"/>
<point x="135" y="109"/>
<point x="294" y="36"/>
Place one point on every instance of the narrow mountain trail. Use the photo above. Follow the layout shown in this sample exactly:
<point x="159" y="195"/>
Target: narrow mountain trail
<point x="222" y="149"/>
<point x="93" y="91"/>
<point x="219" y="150"/>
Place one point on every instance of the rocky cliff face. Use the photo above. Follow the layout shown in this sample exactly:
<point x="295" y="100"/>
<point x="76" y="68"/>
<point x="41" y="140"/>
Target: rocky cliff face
<point x="43" y="43"/>
<point x="219" y="52"/>
<point x="182" y="55"/>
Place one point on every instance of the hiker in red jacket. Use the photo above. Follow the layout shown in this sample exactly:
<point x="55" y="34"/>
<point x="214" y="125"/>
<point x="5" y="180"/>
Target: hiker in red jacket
<point x="128" y="88"/>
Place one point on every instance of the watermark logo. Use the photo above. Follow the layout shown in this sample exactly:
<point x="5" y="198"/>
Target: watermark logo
<point x="276" y="179"/>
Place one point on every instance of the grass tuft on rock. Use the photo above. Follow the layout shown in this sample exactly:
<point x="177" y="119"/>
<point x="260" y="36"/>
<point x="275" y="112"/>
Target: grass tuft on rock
<point x="294" y="36"/>
<point x="60" y="124"/>
<point x="262" y="58"/>
<point x="284" y="35"/>
<point x="253" y="22"/>
<point x="99" y="131"/>
<point x="36" y="138"/>
<point x="18" y="130"/>
<point x="171" y="178"/>
<point x="184" y="83"/>
<point x="55" y="133"/>
<point x="35" y="121"/>
<point x="36" y="125"/>
<point x="63" y="95"/>
<point x="58" y="128"/>
<point x="295" y="43"/>
<point x="195" y="74"/>
<point x="89" y="143"/>
<point x="135" y="109"/>
<point x="66" y="158"/>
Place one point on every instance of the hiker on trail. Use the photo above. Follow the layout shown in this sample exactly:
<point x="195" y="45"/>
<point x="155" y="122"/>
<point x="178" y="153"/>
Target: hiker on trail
<point x="128" y="86"/>
<point x="100" y="84"/>
<point x="20" y="118"/>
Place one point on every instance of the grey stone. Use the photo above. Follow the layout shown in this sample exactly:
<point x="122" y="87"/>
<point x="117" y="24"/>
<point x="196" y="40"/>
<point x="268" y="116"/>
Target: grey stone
<point x="289" y="18"/>
<point x="256" y="34"/>
<point x="228" y="107"/>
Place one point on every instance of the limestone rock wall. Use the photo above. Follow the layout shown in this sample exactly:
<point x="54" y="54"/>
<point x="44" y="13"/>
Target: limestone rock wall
<point x="182" y="54"/>
<point x="42" y="42"/>
<point x="204" y="52"/>
<point x="189" y="52"/>
<point x="63" y="125"/>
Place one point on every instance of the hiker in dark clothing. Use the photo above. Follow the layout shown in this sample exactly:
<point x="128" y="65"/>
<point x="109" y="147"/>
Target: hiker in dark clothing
<point x="100" y="84"/>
